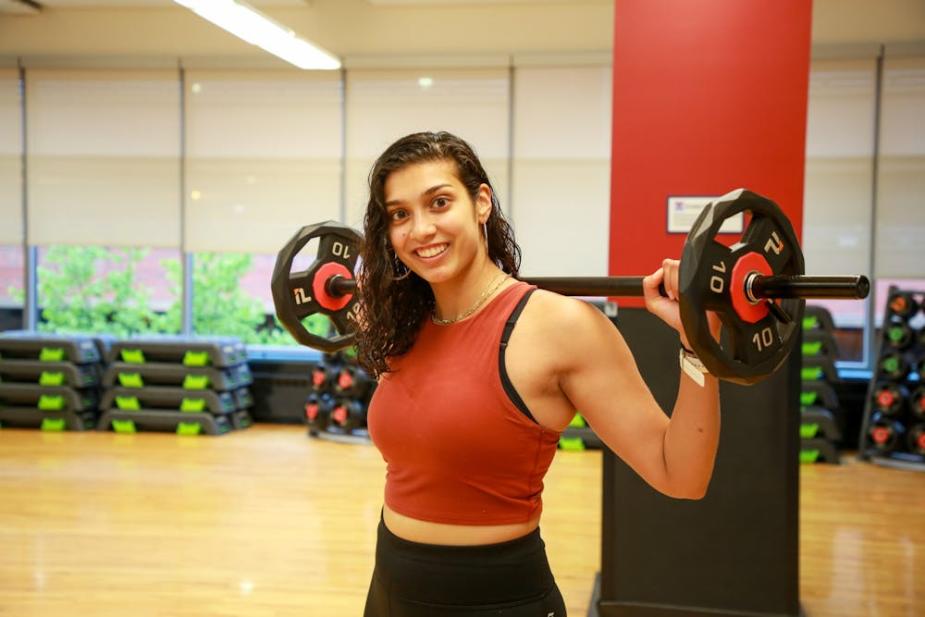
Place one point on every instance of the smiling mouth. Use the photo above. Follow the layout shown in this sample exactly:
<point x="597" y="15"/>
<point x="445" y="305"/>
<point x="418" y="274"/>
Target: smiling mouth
<point x="431" y="251"/>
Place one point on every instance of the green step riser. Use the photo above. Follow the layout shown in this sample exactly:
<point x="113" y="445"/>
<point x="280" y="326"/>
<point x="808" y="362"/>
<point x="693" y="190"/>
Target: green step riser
<point x="810" y="323"/>
<point x="812" y="373"/>
<point x="572" y="443"/>
<point x="48" y="402"/>
<point x="196" y="358"/>
<point x="51" y="354"/>
<point x="53" y="424"/>
<point x="133" y="356"/>
<point x="183" y="428"/>
<point x="131" y="403"/>
<point x="808" y="431"/>
<point x="809" y="456"/>
<point x="190" y="382"/>
<point x="51" y="379"/>
<point x="808" y="398"/>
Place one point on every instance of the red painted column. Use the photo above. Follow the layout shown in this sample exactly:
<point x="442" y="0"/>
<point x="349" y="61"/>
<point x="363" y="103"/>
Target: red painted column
<point x="708" y="96"/>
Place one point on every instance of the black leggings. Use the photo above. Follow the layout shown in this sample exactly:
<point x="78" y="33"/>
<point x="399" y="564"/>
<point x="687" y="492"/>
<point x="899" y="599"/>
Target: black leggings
<point x="512" y="579"/>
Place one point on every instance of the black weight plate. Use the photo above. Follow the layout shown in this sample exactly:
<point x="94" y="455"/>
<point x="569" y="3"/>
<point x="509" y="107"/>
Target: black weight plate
<point x="749" y="352"/>
<point x="293" y="293"/>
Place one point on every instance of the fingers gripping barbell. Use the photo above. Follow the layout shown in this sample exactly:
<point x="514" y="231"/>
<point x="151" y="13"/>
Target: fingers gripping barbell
<point x="756" y="286"/>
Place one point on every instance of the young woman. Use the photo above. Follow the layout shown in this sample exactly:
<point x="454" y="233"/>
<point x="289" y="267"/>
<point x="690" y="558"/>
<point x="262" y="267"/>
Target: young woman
<point x="478" y="375"/>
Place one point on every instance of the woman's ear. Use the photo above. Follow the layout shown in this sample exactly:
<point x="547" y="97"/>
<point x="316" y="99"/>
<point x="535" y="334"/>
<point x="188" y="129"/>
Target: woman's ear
<point x="483" y="203"/>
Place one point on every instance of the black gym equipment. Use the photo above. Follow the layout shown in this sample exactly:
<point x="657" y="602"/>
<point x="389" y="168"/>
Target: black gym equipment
<point x="219" y="352"/>
<point x="916" y="439"/>
<point x="756" y="286"/>
<point x="50" y="373"/>
<point x="884" y="433"/>
<point x="818" y="393"/>
<point x="917" y="403"/>
<point x="48" y="398"/>
<point x="890" y="398"/>
<point x="902" y="304"/>
<point x="323" y="377"/>
<point x="919" y="368"/>
<point x="818" y="423"/>
<point x="898" y="335"/>
<point x="663" y="557"/>
<point x="173" y="399"/>
<point x="352" y="382"/>
<point x="348" y="415"/>
<point x="893" y="365"/>
<point x="177" y="376"/>
<point x="183" y="423"/>
<point x="318" y="407"/>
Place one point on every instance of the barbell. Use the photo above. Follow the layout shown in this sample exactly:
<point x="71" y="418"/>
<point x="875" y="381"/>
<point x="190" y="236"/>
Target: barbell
<point x="756" y="285"/>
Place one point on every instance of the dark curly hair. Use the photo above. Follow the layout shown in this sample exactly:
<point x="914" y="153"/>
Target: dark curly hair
<point x="393" y="310"/>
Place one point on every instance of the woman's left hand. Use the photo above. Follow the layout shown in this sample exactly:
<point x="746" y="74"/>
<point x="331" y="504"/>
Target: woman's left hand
<point x="666" y="308"/>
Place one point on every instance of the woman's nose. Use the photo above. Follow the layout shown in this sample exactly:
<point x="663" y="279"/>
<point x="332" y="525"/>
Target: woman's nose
<point x="422" y="228"/>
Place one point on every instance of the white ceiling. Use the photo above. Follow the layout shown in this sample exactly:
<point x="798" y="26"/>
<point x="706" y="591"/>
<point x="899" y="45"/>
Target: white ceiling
<point x="24" y="7"/>
<point x="269" y="3"/>
<point x="128" y="3"/>
<point x="15" y="6"/>
<point x="393" y="29"/>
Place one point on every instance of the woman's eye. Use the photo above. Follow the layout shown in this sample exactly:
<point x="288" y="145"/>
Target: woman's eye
<point x="397" y="215"/>
<point x="441" y="202"/>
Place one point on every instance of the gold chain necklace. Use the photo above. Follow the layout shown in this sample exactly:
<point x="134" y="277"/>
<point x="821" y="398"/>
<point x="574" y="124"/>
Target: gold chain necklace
<point x="488" y="292"/>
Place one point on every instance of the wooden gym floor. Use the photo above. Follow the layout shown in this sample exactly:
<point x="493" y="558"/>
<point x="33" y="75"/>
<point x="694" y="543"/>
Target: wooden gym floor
<point x="267" y="522"/>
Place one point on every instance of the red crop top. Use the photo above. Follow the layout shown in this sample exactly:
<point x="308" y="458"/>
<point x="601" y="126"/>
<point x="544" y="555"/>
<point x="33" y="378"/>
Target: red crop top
<point x="459" y="443"/>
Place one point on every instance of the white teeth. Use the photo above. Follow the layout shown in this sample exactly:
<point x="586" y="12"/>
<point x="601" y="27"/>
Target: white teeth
<point x="432" y="251"/>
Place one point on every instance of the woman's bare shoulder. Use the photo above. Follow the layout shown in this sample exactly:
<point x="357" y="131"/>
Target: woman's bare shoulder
<point x="554" y="309"/>
<point x="564" y="321"/>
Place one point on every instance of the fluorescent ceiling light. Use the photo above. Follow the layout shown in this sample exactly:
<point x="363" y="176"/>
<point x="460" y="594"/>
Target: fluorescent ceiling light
<point x="257" y="29"/>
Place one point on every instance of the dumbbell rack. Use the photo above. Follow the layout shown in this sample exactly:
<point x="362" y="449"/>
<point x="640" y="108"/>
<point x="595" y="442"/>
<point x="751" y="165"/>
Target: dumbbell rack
<point x="893" y="429"/>
<point x="188" y="385"/>
<point x="49" y="382"/>
<point x="336" y="408"/>
<point x="820" y="428"/>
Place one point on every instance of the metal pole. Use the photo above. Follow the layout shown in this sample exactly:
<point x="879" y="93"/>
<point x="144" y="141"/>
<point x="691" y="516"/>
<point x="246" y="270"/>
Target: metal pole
<point x="343" y="146"/>
<point x="870" y="331"/>
<point x="810" y="286"/>
<point x="603" y="286"/>
<point x="30" y="253"/>
<point x="186" y="259"/>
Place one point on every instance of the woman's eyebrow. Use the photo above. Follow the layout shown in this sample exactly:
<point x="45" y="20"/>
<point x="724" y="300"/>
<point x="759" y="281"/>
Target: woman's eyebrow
<point x="430" y="191"/>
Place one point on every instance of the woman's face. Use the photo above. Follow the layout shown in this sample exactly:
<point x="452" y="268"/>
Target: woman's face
<point x="434" y="227"/>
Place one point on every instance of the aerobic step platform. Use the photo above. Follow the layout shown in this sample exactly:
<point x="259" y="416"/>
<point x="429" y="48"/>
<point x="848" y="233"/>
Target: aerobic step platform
<point x="218" y="352"/>
<point x="50" y="373"/>
<point x="47" y="398"/>
<point x="818" y="451"/>
<point x="819" y="343"/>
<point x="816" y="422"/>
<point x="49" y="348"/>
<point x="818" y="368"/>
<point x="169" y="399"/>
<point x="177" y="376"/>
<point x="175" y="421"/>
<point x="818" y="393"/>
<point x="817" y="318"/>
<point x="25" y="417"/>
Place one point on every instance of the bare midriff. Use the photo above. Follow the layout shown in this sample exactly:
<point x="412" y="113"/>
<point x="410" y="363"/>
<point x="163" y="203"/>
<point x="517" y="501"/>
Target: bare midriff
<point x="426" y="532"/>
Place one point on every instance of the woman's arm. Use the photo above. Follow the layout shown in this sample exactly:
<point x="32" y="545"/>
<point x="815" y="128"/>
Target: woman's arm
<point x="600" y="377"/>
